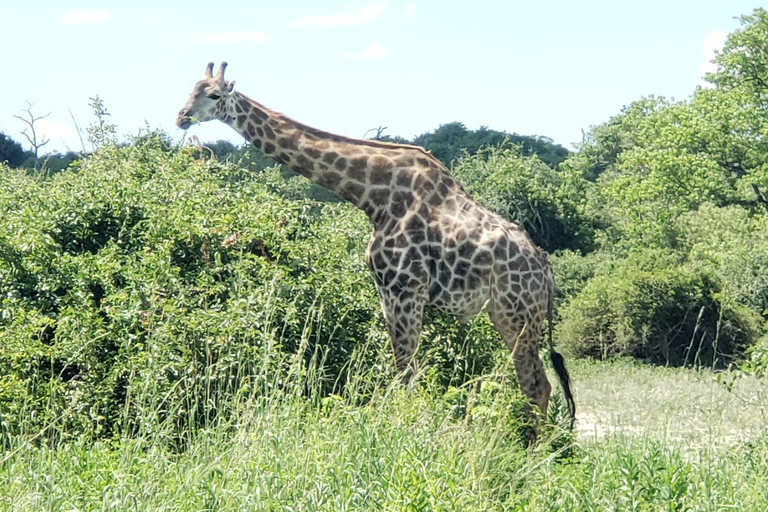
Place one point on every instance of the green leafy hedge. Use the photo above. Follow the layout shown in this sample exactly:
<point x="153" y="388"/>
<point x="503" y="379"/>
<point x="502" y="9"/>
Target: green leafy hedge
<point x="654" y="306"/>
<point x="146" y="283"/>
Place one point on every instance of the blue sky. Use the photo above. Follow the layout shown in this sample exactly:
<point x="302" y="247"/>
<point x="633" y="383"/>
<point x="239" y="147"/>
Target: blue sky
<point x="551" y="68"/>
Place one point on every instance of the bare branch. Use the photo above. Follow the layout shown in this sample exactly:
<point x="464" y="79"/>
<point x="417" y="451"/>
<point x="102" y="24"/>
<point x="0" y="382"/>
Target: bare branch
<point x="30" y="119"/>
<point x="77" y="128"/>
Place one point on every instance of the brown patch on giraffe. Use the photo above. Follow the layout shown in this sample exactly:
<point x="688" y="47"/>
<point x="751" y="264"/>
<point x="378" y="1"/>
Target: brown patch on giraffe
<point x="421" y="185"/>
<point x="500" y="251"/>
<point x="381" y="173"/>
<point x="305" y="162"/>
<point x="417" y="237"/>
<point x="241" y="120"/>
<point x="356" y="173"/>
<point x="313" y="153"/>
<point x="435" y="199"/>
<point x="423" y="162"/>
<point x="379" y="163"/>
<point x="238" y="108"/>
<point x="330" y="180"/>
<point x="259" y="114"/>
<point x="256" y="119"/>
<point x="462" y="268"/>
<point x="287" y="143"/>
<point x="341" y="164"/>
<point x="354" y="191"/>
<point x="483" y="258"/>
<point x="466" y="250"/>
<point x="301" y="170"/>
<point x="404" y="178"/>
<point x="433" y="174"/>
<point x="415" y="223"/>
<point x="404" y="161"/>
<point x="251" y="130"/>
<point x="269" y="148"/>
<point x="401" y="241"/>
<point x="269" y="132"/>
<point x="434" y="234"/>
<point x="256" y="143"/>
<point x="330" y="157"/>
<point x="358" y="164"/>
<point x="260" y="131"/>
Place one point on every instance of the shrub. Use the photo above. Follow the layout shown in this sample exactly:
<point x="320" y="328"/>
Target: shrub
<point x="145" y="283"/>
<point x="653" y="306"/>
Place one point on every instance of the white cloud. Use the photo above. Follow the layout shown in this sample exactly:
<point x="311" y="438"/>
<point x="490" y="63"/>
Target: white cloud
<point x="369" y="13"/>
<point x="374" y="51"/>
<point x="48" y="128"/>
<point x="408" y="12"/>
<point x="253" y="36"/>
<point x="84" y="17"/>
<point x="149" y="18"/>
<point x="713" y="42"/>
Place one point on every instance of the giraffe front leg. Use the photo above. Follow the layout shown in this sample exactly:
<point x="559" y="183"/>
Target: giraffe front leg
<point x="403" y="315"/>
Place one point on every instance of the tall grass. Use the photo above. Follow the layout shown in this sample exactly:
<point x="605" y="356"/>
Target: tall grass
<point x="378" y="446"/>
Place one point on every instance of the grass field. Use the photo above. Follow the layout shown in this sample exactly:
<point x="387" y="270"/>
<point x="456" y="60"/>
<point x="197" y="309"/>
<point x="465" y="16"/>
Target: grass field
<point x="648" y="439"/>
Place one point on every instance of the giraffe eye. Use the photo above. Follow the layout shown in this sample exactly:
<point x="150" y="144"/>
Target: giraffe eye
<point x="214" y="96"/>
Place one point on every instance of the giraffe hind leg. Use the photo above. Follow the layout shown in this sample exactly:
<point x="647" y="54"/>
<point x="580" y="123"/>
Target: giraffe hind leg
<point x="523" y="342"/>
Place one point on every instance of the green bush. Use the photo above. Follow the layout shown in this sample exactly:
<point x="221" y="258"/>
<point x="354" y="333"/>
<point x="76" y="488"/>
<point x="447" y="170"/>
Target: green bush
<point x="654" y="306"/>
<point x="146" y="283"/>
<point x="524" y="190"/>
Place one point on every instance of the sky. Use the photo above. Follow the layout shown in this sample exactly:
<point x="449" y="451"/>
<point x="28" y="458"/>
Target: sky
<point x="547" y="67"/>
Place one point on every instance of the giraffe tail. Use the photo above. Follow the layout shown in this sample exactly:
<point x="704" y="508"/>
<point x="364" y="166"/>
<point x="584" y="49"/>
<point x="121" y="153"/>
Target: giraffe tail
<point x="558" y="363"/>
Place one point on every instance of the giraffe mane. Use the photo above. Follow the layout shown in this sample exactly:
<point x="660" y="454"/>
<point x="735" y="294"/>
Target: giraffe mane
<point x="346" y="140"/>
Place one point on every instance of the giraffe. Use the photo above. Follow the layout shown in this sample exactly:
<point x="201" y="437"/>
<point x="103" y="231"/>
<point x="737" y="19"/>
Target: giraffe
<point x="432" y="244"/>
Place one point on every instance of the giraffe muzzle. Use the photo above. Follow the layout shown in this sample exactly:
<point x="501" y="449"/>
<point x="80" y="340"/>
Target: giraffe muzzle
<point x="183" y="121"/>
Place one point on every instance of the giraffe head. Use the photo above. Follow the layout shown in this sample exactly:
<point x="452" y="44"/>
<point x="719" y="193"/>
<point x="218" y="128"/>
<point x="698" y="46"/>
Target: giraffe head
<point x="208" y="99"/>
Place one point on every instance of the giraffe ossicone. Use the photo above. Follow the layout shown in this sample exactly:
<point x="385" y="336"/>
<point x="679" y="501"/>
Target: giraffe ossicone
<point x="432" y="244"/>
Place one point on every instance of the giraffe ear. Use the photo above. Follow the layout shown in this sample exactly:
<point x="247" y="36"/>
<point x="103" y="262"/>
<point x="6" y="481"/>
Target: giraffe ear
<point x="230" y="86"/>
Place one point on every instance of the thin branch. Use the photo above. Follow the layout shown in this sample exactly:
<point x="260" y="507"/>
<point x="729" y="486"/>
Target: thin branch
<point x="77" y="128"/>
<point x="36" y="145"/>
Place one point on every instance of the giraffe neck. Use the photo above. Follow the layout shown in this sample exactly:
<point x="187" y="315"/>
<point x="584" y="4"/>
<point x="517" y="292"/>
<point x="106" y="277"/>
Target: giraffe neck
<point x="357" y="170"/>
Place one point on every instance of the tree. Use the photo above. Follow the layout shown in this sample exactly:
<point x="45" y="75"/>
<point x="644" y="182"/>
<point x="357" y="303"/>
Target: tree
<point x="36" y="140"/>
<point x="449" y="140"/>
<point x="742" y="77"/>
<point x="743" y="62"/>
<point x="11" y="152"/>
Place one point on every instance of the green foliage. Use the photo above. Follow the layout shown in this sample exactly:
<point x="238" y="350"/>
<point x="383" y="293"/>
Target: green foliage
<point x="11" y="152"/>
<point x="686" y="179"/>
<point x="145" y="282"/>
<point x="450" y="141"/>
<point x="423" y="450"/>
<point x="525" y="191"/>
<point x="653" y="306"/>
<point x="743" y="61"/>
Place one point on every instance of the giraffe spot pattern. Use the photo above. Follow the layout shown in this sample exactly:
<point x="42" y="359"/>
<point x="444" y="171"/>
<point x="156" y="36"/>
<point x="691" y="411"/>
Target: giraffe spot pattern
<point x="432" y="243"/>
